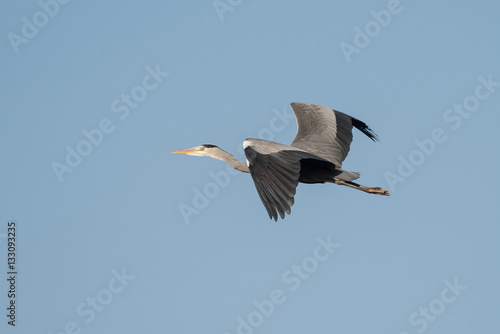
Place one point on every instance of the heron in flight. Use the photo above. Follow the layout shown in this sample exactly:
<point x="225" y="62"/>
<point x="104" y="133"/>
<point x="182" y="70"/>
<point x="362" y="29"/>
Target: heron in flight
<point x="315" y="155"/>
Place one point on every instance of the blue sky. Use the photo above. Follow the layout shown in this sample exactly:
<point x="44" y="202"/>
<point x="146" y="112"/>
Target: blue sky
<point x="96" y="95"/>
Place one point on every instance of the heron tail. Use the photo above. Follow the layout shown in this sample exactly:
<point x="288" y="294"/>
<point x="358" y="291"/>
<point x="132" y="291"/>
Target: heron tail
<point x="346" y="175"/>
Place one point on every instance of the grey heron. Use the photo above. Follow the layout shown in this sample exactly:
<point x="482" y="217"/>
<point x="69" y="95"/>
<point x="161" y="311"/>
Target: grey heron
<point x="315" y="155"/>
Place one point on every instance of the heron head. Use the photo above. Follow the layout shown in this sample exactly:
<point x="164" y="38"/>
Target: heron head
<point x="200" y="151"/>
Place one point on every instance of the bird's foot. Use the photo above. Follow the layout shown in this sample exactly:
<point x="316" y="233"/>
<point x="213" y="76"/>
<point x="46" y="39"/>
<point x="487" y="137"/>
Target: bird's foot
<point x="378" y="191"/>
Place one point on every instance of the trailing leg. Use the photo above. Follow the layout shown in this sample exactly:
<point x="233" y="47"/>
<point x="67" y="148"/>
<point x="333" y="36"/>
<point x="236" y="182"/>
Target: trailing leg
<point x="370" y="190"/>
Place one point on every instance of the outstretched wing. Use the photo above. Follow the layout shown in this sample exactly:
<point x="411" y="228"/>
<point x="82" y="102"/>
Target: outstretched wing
<point x="325" y="132"/>
<point x="275" y="170"/>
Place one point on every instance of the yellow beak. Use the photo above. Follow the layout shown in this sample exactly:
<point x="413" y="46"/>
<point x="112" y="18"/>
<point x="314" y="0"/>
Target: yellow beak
<point x="186" y="151"/>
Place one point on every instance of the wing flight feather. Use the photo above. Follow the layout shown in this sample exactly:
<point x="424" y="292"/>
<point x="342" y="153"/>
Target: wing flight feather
<point x="275" y="170"/>
<point x="326" y="132"/>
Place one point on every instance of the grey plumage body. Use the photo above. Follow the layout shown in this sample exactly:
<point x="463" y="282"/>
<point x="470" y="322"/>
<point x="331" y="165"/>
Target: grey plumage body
<point x="315" y="155"/>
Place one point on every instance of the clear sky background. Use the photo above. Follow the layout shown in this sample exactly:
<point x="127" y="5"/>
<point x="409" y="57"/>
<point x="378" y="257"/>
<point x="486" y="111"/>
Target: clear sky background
<point x="106" y="247"/>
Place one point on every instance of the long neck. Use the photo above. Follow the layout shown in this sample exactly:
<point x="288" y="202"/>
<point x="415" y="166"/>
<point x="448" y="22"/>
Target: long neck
<point x="224" y="156"/>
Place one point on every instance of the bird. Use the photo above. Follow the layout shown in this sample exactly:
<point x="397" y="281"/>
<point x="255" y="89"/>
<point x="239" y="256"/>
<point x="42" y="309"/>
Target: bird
<point x="321" y="144"/>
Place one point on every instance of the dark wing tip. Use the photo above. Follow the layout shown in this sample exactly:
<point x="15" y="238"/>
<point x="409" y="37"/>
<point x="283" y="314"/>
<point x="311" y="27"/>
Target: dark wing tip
<point x="361" y="126"/>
